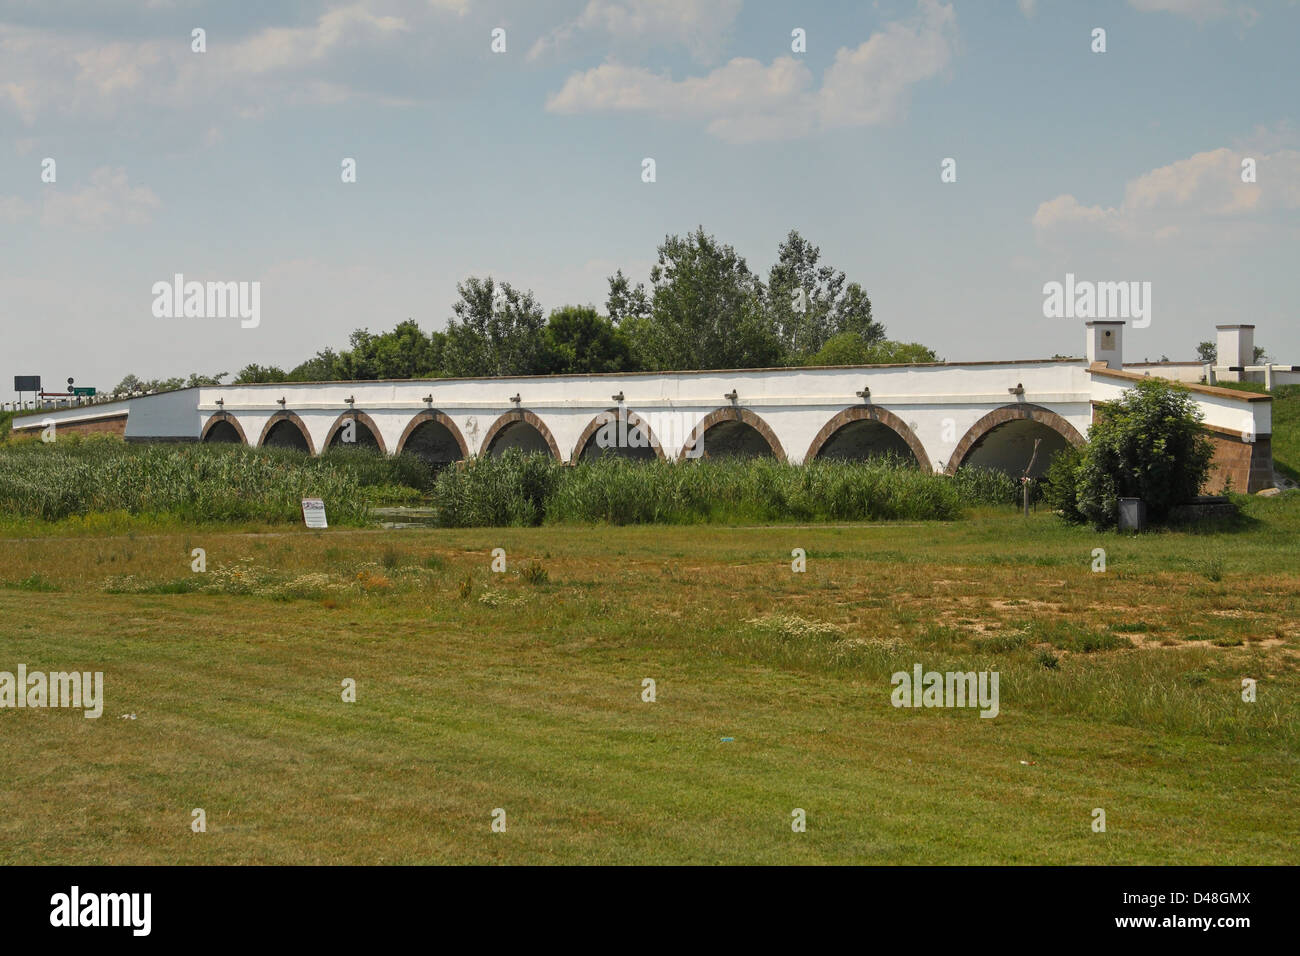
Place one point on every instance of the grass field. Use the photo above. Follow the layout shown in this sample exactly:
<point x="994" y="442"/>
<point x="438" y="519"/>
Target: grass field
<point x="522" y="691"/>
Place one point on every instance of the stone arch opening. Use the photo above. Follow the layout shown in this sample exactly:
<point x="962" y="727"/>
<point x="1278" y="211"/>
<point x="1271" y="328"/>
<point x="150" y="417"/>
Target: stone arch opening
<point x="523" y="430"/>
<point x="617" y="432"/>
<point x="222" y="430"/>
<point x="286" y="430"/>
<point x="1004" y="440"/>
<point x="733" y="433"/>
<point x="433" y="436"/>
<point x="865" y="432"/>
<point x="362" y="430"/>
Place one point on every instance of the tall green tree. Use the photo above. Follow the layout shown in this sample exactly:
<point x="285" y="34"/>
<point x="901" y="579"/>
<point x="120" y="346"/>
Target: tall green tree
<point x="496" y="330"/>
<point x="706" y="310"/>
<point x="810" y="302"/>
<point x="579" y="339"/>
<point x="848" y="348"/>
<point x="626" y="302"/>
<point x="405" y="352"/>
<point x="324" y="366"/>
<point x="254" y="374"/>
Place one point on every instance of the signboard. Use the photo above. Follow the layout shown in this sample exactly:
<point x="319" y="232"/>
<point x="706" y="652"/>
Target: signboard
<point x="313" y="512"/>
<point x="84" y="390"/>
<point x="27" y="383"/>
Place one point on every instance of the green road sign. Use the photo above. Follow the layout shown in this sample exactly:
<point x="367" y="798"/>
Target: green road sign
<point x="84" y="390"/>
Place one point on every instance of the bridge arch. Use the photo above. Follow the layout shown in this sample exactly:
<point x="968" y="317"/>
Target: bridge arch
<point x="610" y="417"/>
<point x="738" y="427"/>
<point x="520" y="429"/>
<point x="219" y="429"/>
<point x="882" y="432"/>
<point x="365" y="425"/>
<point x="280" y="431"/>
<point x="434" y="436"/>
<point x="1003" y="439"/>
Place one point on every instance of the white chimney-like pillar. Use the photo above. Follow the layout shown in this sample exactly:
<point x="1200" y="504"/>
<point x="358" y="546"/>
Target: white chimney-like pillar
<point x="1106" y="342"/>
<point x="1236" y="347"/>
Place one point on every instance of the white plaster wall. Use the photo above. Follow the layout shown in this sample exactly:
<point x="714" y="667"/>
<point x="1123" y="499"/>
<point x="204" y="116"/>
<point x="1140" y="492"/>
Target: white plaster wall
<point x="1221" y="411"/>
<point x="168" y="415"/>
<point x="940" y="403"/>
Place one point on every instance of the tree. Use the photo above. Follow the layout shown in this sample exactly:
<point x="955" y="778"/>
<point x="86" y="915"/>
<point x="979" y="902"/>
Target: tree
<point x="848" y="348"/>
<point x="579" y="339"/>
<point x="258" y="374"/>
<point x="1146" y="444"/>
<point x="405" y="352"/>
<point x="198" y="379"/>
<point x="1207" y="352"/>
<point x="128" y="385"/>
<point x="811" y="303"/>
<point x="1259" y="355"/>
<point x="497" y="330"/>
<point x="324" y="366"/>
<point x="625" y="302"/>
<point x="707" y="309"/>
<point x="132" y="384"/>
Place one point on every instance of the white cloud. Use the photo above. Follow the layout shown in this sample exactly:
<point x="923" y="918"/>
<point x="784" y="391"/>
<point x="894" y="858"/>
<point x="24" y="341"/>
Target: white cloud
<point x="1202" y="191"/>
<point x="869" y="85"/>
<point x="109" y="200"/>
<point x="328" y="59"/>
<point x="292" y="48"/>
<point x="700" y="26"/>
<point x="745" y="101"/>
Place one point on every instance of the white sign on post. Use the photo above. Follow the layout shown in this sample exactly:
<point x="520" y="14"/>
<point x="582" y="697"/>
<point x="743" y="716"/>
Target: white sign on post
<point x="313" y="512"/>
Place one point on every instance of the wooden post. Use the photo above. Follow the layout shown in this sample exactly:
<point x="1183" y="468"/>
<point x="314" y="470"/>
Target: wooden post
<point x="1025" y="479"/>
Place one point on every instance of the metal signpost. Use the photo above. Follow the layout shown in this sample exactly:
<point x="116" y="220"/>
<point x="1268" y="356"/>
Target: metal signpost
<point x="26" y="383"/>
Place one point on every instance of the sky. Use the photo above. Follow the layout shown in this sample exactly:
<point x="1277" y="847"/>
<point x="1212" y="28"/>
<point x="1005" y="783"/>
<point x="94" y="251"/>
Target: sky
<point x="527" y="164"/>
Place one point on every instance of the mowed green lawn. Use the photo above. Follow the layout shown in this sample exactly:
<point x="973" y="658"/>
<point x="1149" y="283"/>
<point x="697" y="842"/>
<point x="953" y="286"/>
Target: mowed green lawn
<point x="476" y="691"/>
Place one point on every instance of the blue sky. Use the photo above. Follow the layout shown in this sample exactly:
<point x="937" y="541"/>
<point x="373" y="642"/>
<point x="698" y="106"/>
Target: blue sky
<point x="526" y="165"/>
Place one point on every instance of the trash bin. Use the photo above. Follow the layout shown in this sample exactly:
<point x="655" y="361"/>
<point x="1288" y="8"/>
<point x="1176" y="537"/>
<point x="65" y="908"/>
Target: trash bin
<point x="1132" y="514"/>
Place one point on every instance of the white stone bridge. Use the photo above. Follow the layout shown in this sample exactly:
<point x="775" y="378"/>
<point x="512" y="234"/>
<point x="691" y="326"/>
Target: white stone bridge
<point x="941" y="415"/>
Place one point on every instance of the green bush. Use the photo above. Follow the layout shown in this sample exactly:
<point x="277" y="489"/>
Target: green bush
<point x="491" y="492"/>
<point x="1060" y="484"/>
<point x="1147" y="444"/>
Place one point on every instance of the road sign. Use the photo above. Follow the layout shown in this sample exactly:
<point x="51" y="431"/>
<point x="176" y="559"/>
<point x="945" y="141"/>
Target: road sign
<point x="83" y="390"/>
<point x="27" y="383"/>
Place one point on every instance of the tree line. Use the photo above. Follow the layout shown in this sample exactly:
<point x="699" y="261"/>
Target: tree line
<point x="704" y="308"/>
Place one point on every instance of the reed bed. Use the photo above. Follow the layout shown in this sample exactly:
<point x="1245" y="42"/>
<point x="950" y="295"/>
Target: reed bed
<point x="192" y="483"/>
<point x="227" y="483"/>
<point x="519" y="490"/>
